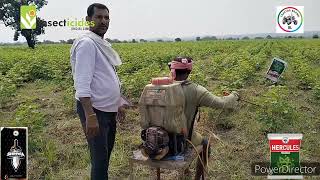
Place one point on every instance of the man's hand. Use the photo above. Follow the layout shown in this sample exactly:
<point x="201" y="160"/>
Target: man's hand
<point x="92" y="126"/>
<point x="237" y="94"/>
<point x="231" y="100"/>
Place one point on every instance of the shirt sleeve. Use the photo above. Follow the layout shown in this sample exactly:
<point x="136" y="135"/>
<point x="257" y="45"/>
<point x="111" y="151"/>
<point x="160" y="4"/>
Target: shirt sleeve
<point x="207" y="99"/>
<point x="84" y="67"/>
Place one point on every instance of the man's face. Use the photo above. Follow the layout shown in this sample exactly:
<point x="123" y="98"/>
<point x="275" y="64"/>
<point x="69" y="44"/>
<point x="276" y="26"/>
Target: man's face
<point x="101" y="20"/>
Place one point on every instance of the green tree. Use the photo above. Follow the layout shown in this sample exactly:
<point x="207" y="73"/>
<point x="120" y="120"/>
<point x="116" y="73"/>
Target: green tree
<point x="143" y="40"/>
<point x="316" y="36"/>
<point x="177" y="39"/>
<point x="70" y="41"/>
<point x="116" y="41"/>
<point x="209" y="38"/>
<point x="10" y="15"/>
<point x="269" y="37"/>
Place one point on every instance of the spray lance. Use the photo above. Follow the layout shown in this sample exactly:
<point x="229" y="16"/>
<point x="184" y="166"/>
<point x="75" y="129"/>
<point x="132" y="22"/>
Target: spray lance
<point x="227" y="93"/>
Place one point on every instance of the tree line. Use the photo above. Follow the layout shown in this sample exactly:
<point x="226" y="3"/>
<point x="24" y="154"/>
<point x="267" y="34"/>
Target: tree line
<point x="10" y="16"/>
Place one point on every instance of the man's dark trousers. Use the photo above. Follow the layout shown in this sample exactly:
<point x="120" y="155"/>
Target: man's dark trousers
<point x="101" y="145"/>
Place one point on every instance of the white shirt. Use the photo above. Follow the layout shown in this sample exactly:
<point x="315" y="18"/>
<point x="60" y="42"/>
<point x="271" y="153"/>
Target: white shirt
<point x="95" y="77"/>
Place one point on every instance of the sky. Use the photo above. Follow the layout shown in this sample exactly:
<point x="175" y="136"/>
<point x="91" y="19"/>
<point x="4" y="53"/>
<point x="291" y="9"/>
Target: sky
<point x="136" y="19"/>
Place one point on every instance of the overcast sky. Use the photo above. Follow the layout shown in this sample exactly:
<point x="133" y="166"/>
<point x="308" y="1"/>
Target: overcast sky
<point x="173" y="18"/>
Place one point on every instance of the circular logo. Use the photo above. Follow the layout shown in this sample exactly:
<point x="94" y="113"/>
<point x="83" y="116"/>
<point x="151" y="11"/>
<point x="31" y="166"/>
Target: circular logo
<point x="16" y="133"/>
<point x="285" y="140"/>
<point x="32" y="13"/>
<point x="290" y="19"/>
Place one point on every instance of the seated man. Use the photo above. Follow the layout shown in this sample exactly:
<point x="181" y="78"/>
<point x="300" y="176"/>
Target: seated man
<point x="197" y="96"/>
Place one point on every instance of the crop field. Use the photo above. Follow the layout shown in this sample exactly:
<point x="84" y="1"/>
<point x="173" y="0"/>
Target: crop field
<point x="36" y="91"/>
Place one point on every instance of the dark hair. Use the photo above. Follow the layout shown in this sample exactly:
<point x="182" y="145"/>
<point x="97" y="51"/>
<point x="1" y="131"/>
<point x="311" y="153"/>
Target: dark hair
<point x="179" y="59"/>
<point x="90" y="10"/>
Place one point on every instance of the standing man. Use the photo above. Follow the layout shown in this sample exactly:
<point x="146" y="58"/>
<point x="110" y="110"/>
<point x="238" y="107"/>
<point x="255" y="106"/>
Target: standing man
<point x="97" y="88"/>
